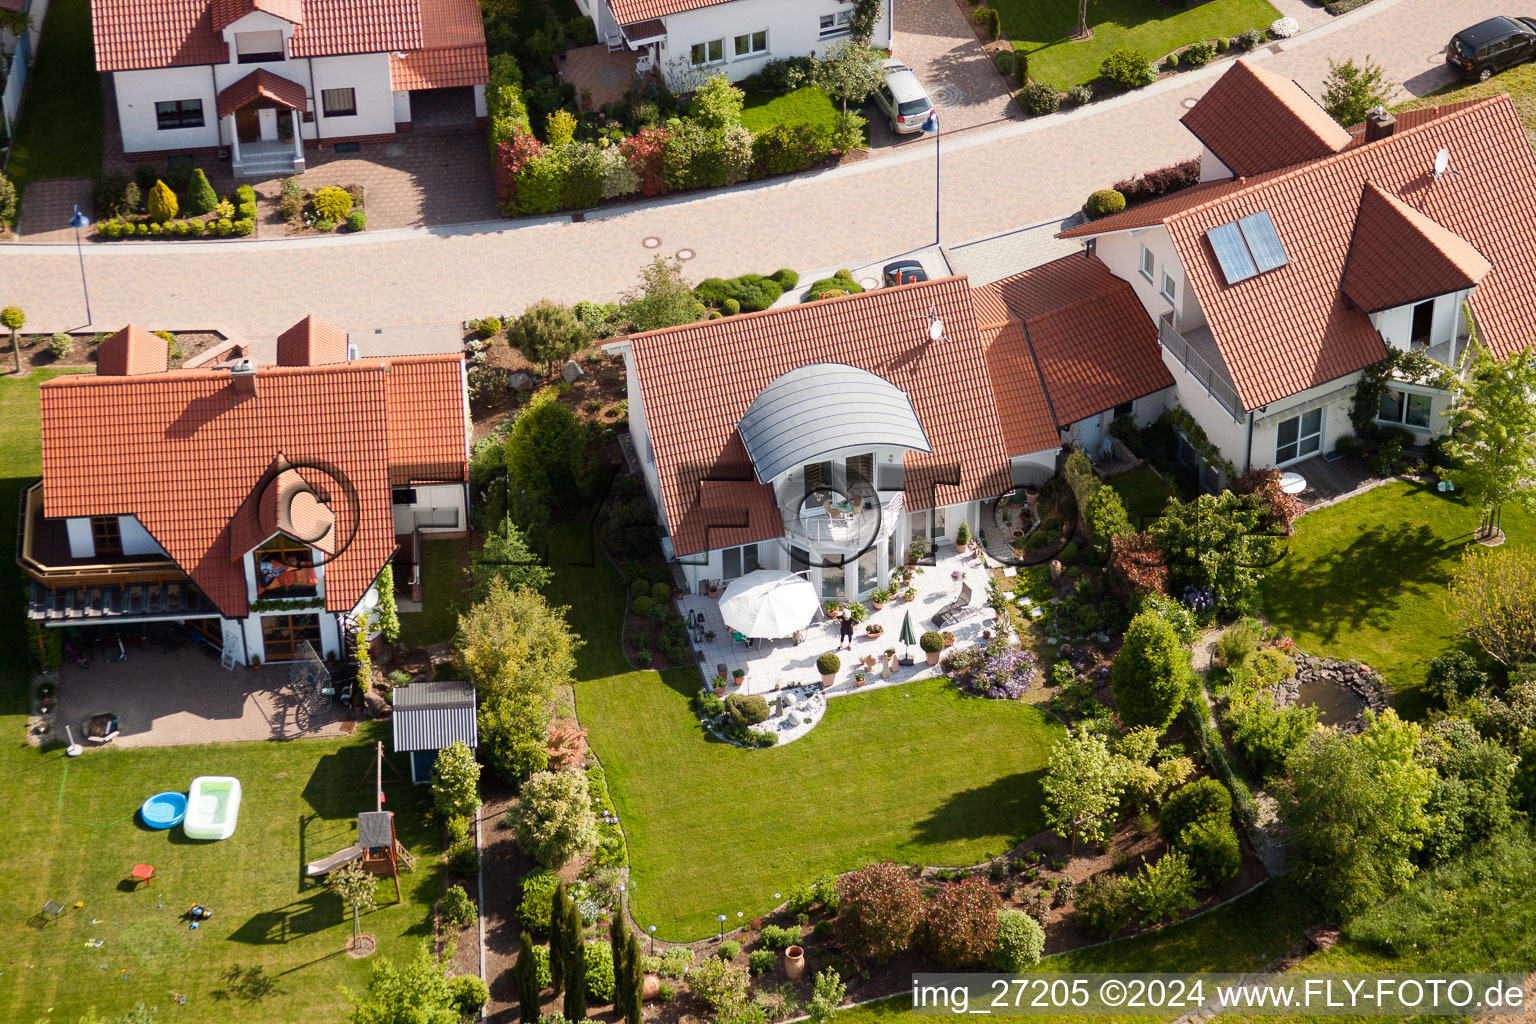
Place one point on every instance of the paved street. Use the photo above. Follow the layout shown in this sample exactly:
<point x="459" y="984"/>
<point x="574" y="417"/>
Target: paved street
<point x="994" y="181"/>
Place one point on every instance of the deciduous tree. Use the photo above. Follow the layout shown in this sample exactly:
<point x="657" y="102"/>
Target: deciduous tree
<point x="1492" y="598"/>
<point x="553" y="818"/>
<point x="1351" y="90"/>
<point x="456" y="781"/>
<point x="1082" y="787"/>
<point x="14" y="320"/>
<point x="506" y="556"/>
<point x="356" y="888"/>
<point x="419" y="994"/>
<point x="1495" y="435"/>
<point x="663" y="297"/>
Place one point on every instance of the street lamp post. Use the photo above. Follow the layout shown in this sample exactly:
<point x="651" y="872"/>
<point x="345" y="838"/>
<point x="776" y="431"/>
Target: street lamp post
<point x="78" y="220"/>
<point x="931" y="127"/>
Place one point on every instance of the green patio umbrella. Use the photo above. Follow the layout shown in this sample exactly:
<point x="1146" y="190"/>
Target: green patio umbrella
<point x="908" y="636"/>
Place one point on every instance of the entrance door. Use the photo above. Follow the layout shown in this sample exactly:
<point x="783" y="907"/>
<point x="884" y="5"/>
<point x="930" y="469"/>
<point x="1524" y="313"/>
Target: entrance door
<point x="267" y="117"/>
<point x="247" y="125"/>
<point x="282" y="634"/>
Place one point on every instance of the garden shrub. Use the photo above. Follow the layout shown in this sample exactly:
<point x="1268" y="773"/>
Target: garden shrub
<point x="538" y="888"/>
<point x="880" y="907"/>
<point x="1248" y="38"/>
<point x="508" y="161"/>
<point x="1068" y="553"/>
<point x="8" y="199"/>
<point x="1198" y="55"/>
<point x="584" y="176"/>
<point x="1164" y="890"/>
<point x="1211" y="845"/>
<point x="828" y="664"/>
<point x="464" y="859"/>
<point x="201" y="198"/>
<point x="1203" y="798"/>
<point x="785" y="278"/>
<point x="456" y="781"/>
<point x="675" y="961"/>
<point x="645" y="605"/>
<point x="778" y="938"/>
<point x="332" y="203"/>
<point x="559" y="128"/>
<point x="618" y="177"/>
<point x="599" y="972"/>
<point x="730" y="307"/>
<point x="746" y="709"/>
<point x="962" y="923"/>
<point x="1039" y="98"/>
<point x="1020" y="941"/>
<point x="61" y="345"/>
<point x="1102" y="906"/>
<point x="931" y="642"/>
<point x="993" y="23"/>
<point x="1003" y="61"/>
<point x="761" y="961"/>
<point x="116" y="196"/>
<point x="787" y="74"/>
<point x="1155" y="183"/>
<point x="1080" y="94"/>
<point x="729" y="949"/>
<point x="1103" y="203"/>
<point x="1266" y="732"/>
<point x="1223" y="44"/>
<point x="469" y="994"/>
<point x="721" y="984"/>
<point x="785" y="149"/>
<point x="457" y="907"/>
<point x="1455" y="674"/>
<point x="357" y="220"/>
<point x="1171" y="62"/>
<point x="506" y="111"/>
<point x="640" y="587"/>
<point x="646" y="152"/>
<point x="540" y="186"/>
<point x="1151" y="672"/>
<point x="244" y="226"/>
<point x="161" y="203"/>
<point x="1174" y="612"/>
<point x="553" y="820"/>
<point x="840" y="283"/>
<point x="322" y="225"/>
<point x="1127" y="68"/>
<point x="661" y="593"/>
<point x="717" y="103"/>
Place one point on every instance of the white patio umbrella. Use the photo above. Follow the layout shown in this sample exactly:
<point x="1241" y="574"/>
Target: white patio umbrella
<point x="768" y="603"/>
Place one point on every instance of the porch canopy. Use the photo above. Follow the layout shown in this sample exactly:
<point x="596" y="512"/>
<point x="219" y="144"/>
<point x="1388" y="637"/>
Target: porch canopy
<point x="768" y="604"/>
<point x="825" y="411"/>
<point x="261" y="86"/>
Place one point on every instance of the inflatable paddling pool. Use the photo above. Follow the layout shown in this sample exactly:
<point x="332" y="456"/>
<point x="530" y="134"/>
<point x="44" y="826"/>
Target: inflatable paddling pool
<point x="213" y="807"/>
<point x="164" y="810"/>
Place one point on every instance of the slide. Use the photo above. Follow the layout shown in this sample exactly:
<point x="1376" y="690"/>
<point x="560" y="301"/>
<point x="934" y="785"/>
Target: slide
<point x="334" y="861"/>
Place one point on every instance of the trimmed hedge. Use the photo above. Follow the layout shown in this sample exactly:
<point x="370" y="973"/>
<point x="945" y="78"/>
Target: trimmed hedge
<point x="1103" y="203"/>
<point x="1128" y="68"/>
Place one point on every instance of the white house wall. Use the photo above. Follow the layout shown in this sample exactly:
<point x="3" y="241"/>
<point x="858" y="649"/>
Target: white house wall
<point x="1121" y="253"/>
<point x="368" y="73"/>
<point x="1211" y="167"/>
<point x="1231" y="438"/>
<point x="1336" y="421"/>
<point x="139" y="91"/>
<point x="793" y="28"/>
<point x="1396" y="325"/>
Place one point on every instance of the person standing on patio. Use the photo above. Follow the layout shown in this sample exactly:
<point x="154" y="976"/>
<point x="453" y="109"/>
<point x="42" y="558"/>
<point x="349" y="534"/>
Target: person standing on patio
<point x="845" y="627"/>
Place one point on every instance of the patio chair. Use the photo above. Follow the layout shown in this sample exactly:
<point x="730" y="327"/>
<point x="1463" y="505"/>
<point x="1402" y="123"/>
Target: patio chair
<point x="52" y="911"/>
<point x="955" y="610"/>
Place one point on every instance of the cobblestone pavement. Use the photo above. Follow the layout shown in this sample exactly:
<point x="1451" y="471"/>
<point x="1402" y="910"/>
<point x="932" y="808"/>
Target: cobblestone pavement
<point x="993" y="182"/>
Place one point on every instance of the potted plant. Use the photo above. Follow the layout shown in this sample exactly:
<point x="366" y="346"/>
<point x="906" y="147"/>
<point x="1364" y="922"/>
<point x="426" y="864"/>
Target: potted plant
<point x="858" y="679"/>
<point x="949" y="638"/>
<point x="890" y="659"/>
<point x="831" y="608"/>
<point x="879" y="598"/>
<point x="827" y="665"/>
<point x="256" y="662"/>
<point x="932" y="642"/>
<point x="739" y="675"/>
<point x="917" y="550"/>
<point x="719" y="686"/>
<point x="963" y="537"/>
<point x="873" y="630"/>
<point x="909" y="595"/>
<point x="714" y="588"/>
<point x="857" y="612"/>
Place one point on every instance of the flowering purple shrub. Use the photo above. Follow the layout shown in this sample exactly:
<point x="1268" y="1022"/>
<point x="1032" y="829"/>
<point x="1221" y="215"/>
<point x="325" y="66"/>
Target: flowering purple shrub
<point x="1200" y="600"/>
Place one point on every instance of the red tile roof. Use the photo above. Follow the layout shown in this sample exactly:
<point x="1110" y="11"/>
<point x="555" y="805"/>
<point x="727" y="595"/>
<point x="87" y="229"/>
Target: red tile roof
<point x="1095" y="346"/>
<point x="1254" y="120"/>
<point x="1399" y="256"/>
<point x="227" y="12"/>
<point x="261" y="84"/>
<point x="1022" y="407"/>
<point x="136" y="34"/>
<point x="627" y="12"/>
<point x="132" y="350"/>
<point x="185" y="451"/>
<point x="1292" y="328"/>
<point x="732" y="512"/>
<point x="697" y="381"/>
<point x="442" y="68"/>
<point x="311" y="342"/>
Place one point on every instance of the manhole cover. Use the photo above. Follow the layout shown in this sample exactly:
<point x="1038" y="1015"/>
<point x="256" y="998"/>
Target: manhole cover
<point x="1188" y="102"/>
<point x="394" y="149"/>
<point x="946" y="94"/>
<point x="869" y="283"/>
<point x="651" y="242"/>
<point x="685" y="254"/>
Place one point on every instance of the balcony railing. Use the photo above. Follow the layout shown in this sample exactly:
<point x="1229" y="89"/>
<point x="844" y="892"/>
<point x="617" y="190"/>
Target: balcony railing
<point x="42" y="550"/>
<point x="831" y="520"/>
<point x="1213" y="380"/>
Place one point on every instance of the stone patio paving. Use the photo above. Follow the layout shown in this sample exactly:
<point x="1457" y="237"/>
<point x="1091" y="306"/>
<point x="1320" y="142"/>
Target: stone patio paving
<point x="771" y="665"/>
<point x="171" y="698"/>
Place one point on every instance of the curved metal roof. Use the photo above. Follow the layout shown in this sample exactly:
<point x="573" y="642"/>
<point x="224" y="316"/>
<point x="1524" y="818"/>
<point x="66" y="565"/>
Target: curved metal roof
<point x="826" y="411"/>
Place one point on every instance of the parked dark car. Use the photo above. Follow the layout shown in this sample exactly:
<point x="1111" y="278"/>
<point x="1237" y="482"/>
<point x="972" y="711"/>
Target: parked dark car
<point x="1491" y="46"/>
<point x="904" y="272"/>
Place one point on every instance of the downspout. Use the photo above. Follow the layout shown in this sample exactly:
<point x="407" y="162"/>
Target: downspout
<point x="213" y="80"/>
<point x="314" y="98"/>
<point x="1248" y="456"/>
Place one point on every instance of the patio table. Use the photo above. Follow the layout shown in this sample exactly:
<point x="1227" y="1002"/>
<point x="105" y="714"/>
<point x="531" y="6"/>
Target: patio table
<point x="1292" y="483"/>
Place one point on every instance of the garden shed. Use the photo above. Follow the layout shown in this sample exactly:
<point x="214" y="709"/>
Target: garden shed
<point x="429" y="717"/>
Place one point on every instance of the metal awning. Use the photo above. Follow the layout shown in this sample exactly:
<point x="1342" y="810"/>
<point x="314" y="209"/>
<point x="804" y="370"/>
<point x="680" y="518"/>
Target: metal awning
<point x="826" y="411"/>
<point x="641" y="32"/>
<point x="1338" y="395"/>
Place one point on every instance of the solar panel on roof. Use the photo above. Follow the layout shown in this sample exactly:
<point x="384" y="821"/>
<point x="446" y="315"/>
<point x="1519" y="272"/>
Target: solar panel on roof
<point x="1263" y="241"/>
<point x="1232" y="253"/>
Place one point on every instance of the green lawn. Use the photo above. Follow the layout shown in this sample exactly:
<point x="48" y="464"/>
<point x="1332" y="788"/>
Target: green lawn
<point x="1519" y="82"/>
<point x="803" y="106"/>
<point x="443" y="594"/>
<point x="915" y="773"/>
<point x="1366" y="579"/>
<point x="1041" y="29"/>
<point x="271" y="951"/>
<point x="59" y="133"/>
<point x="1144" y="493"/>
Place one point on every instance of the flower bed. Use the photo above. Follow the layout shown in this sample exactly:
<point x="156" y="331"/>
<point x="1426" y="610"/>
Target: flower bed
<point x="321" y="210"/>
<point x="226" y="218"/>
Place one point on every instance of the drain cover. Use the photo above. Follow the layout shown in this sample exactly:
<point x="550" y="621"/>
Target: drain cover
<point x="946" y="94"/>
<point x="1188" y="102"/>
<point x="650" y="242"/>
<point x="869" y="283"/>
<point x="686" y="254"/>
<point x="394" y="149"/>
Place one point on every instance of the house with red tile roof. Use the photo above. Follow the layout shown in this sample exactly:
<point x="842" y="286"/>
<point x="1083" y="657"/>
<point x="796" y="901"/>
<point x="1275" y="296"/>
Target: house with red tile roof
<point x="255" y="504"/>
<point x="690" y="40"/>
<point x="262" y="79"/>
<point x="1309" y="253"/>
<point x="828" y="436"/>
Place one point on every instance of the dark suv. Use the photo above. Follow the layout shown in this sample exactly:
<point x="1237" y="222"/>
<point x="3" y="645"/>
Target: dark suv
<point x="1490" y="46"/>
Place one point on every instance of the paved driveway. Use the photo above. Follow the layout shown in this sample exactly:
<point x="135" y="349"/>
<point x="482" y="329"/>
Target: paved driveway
<point x="933" y="38"/>
<point x="994" y="180"/>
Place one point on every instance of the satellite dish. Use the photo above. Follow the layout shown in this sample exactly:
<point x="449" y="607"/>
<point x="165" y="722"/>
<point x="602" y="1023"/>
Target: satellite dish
<point x="935" y="329"/>
<point x="1442" y="162"/>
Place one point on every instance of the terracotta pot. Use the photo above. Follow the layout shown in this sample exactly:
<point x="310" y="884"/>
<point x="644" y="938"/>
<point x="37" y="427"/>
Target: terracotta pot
<point x="794" y="962"/>
<point x="949" y="641"/>
<point x="650" y="987"/>
<point x="826" y="681"/>
<point x="933" y="658"/>
<point x="719" y="691"/>
<point x="878" y="604"/>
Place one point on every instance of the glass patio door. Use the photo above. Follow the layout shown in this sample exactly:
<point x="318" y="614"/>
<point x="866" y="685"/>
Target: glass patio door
<point x="1299" y="437"/>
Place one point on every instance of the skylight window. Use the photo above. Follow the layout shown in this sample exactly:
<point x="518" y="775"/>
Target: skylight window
<point x="1247" y="247"/>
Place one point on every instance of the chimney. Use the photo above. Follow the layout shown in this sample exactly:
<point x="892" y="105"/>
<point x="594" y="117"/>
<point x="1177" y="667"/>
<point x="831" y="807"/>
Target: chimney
<point x="1379" y="124"/>
<point x="242" y="374"/>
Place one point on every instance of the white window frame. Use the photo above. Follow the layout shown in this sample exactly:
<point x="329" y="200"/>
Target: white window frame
<point x="1148" y="264"/>
<point x="707" y="62"/>
<point x="751" y="53"/>
<point x="1403" y="400"/>
<point x="182" y="115"/>
<point x="1305" y="445"/>
<point x="835" y="24"/>
<point x="1170" y="289"/>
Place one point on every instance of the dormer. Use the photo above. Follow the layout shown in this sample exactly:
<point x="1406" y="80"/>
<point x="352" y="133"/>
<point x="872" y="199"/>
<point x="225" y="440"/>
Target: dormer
<point x="284" y="533"/>
<point x="257" y="31"/>
<point x="1252" y="120"/>
<point x="1410" y="274"/>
